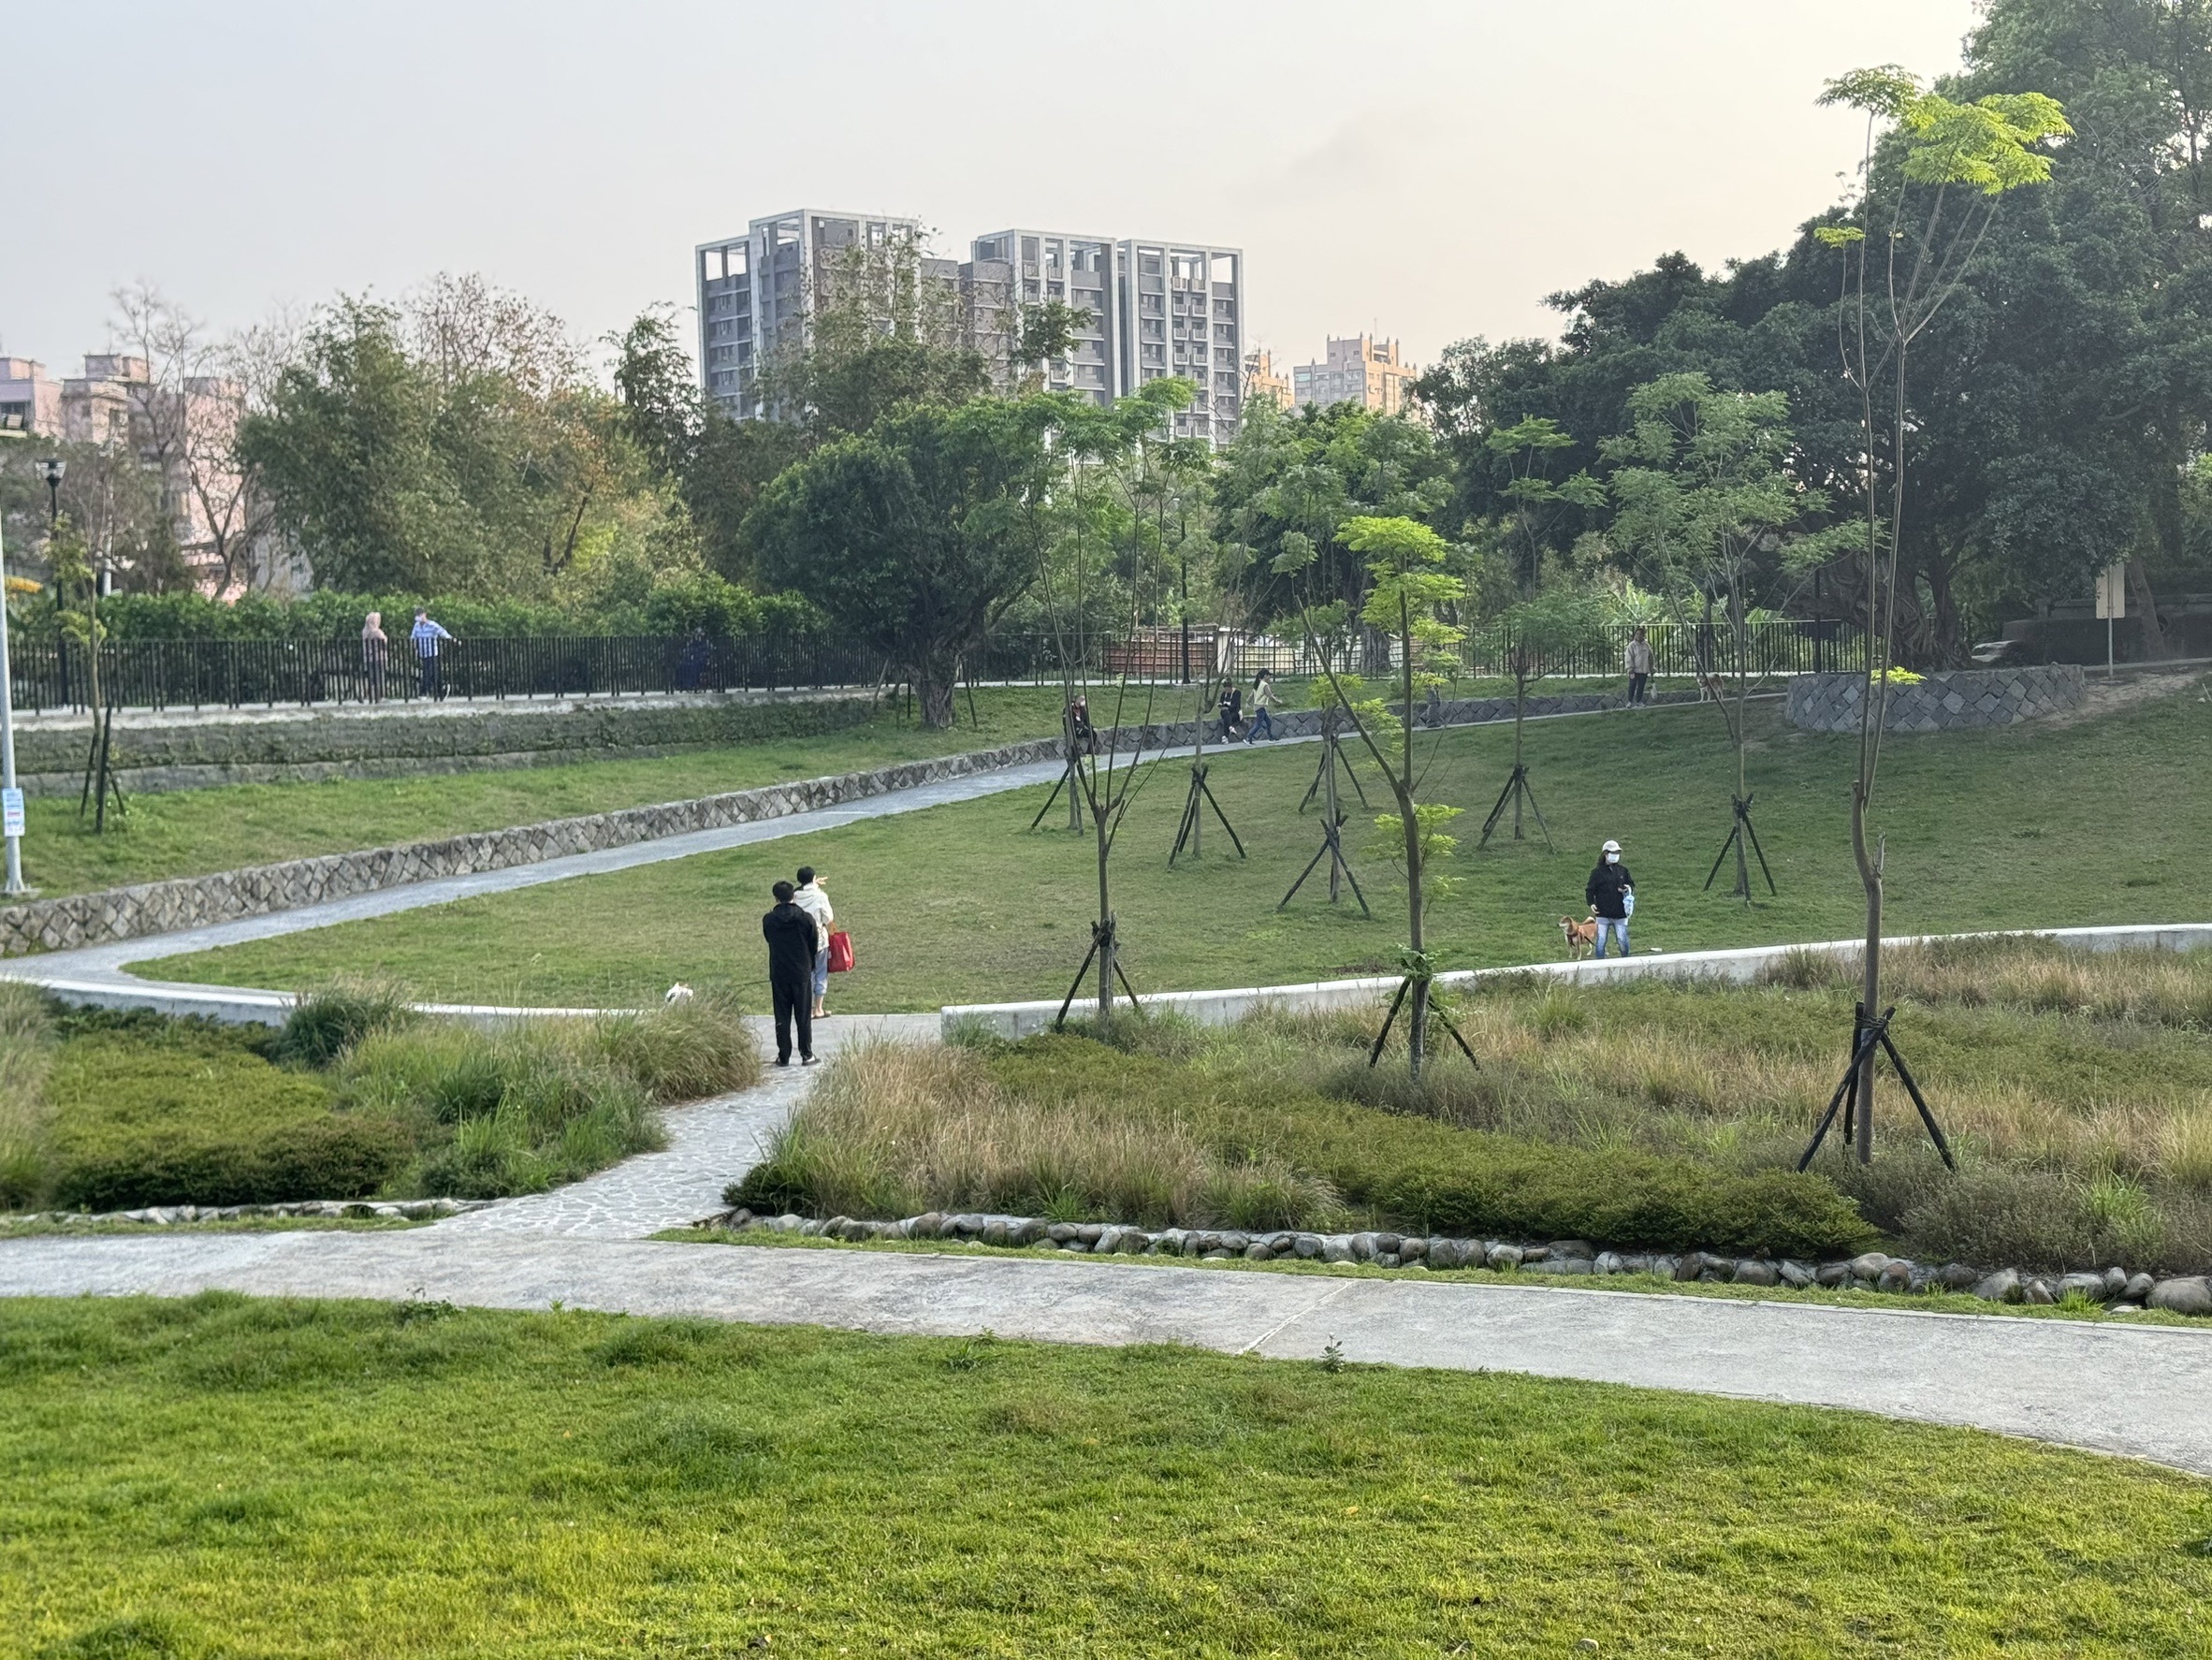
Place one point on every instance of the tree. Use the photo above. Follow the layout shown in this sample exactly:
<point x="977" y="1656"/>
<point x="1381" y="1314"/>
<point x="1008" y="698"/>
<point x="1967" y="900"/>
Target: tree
<point x="1533" y="501"/>
<point x="1944" y="168"/>
<point x="1702" y="496"/>
<point x="911" y="536"/>
<point x="1408" y="587"/>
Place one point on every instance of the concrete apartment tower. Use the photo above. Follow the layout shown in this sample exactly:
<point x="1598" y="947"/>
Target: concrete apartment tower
<point x="30" y="398"/>
<point x="1264" y="382"/>
<point x="759" y="292"/>
<point x="1011" y="268"/>
<point x="1183" y="312"/>
<point x="1362" y="369"/>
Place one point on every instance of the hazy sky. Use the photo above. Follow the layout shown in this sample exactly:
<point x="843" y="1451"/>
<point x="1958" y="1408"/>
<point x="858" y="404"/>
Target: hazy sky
<point x="1429" y="170"/>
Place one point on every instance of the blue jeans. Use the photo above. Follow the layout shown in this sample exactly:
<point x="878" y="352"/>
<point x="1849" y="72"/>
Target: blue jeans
<point x="1612" y="925"/>
<point x="822" y="974"/>
<point x="1262" y="721"/>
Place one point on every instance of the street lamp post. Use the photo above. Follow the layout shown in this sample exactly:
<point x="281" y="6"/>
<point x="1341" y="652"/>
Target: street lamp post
<point x="52" y="468"/>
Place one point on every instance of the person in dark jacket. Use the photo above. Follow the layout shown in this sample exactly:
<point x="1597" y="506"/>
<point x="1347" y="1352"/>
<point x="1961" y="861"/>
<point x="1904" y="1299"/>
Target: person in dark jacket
<point x="792" y="944"/>
<point x="1231" y="709"/>
<point x="1612" y="892"/>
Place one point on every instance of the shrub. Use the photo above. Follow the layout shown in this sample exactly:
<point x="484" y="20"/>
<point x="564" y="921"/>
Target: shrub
<point x="685" y="1051"/>
<point x="325" y="1024"/>
<point x="200" y="1119"/>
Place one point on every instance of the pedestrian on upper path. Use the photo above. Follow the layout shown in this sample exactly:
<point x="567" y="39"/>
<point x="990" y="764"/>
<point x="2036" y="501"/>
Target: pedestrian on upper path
<point x="1611" y="894"/>
<point x="376" y="648"/>
<point x="816" y="904"/>
<point x="426" y="635"/>
<point x="1263" y="694"/>
<point x="789" y="934"/>
<point x="1637" y="660"/>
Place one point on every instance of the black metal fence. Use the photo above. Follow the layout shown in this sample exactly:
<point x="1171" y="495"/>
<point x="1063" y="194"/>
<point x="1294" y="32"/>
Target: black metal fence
<point x="235" y="674"/>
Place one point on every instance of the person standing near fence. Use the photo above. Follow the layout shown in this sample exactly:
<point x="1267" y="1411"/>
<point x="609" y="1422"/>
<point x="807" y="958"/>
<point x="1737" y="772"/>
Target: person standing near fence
<point x="816" y="904"/>
<point x="375" y="652"/>
<point x="1637" y="659"/>
<point x="426" y="635"/>
<point x="1611" y="894"/>
<point x="1231" y="709"/>
<point x="789" y="934"/>
<point x="1263" y="694"/>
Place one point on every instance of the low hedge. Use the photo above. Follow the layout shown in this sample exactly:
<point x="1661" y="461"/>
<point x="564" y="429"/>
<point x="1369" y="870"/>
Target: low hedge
<point x="1421" y="1174"/>
<point x="188" y="1115"/>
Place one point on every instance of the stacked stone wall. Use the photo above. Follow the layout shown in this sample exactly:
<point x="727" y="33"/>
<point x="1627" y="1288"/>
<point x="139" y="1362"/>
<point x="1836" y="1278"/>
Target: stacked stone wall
<point x="1941" y="702"/>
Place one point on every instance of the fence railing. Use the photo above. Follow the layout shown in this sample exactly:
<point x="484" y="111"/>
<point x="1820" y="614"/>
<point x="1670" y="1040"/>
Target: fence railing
<point x="235" y="674"/>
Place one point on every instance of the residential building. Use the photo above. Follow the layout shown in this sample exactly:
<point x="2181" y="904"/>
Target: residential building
<point x="1182" y="309"/>
<point x="1155" y="308"/>
<point x="98" y="406"/>
<point x="1013" y="269"/>
<point x="1362" y="369"/>
<point x="30" y="399"/>
<point x="759" y="292"/>
<point x="1265" y="383"/>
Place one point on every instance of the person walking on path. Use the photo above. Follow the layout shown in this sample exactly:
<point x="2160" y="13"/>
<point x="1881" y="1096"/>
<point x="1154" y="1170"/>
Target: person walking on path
<point x="376" y="651"/>
<point x="1611" y="894"/>
<point x="1263" y="694"/>
<point x="1637" y="659"/>
<point x="789" y="934"/>
<point x="1231" y="709"/>
<point x="426" y="635"/>
<point x="816" y="904"/>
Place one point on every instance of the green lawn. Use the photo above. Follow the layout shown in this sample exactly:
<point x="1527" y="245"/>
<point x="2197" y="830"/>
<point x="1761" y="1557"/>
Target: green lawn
<point x="2033" y="826"/>
<point x="222" y="1476"/>
<point x="188" y="832"/>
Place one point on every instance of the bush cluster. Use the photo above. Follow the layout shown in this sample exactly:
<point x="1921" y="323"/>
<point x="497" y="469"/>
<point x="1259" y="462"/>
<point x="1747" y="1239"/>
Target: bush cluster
<point x="355" y="1097"/>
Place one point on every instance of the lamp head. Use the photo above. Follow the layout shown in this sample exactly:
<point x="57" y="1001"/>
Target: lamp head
<point x="52" y="468"/>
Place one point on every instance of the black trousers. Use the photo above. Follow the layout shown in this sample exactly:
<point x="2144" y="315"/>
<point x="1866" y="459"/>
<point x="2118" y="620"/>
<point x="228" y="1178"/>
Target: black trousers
<point x="795" y="1000"/>
<point x="1636" y="687"/>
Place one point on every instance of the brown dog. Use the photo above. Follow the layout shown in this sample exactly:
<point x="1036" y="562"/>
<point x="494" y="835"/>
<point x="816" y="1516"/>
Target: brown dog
<point x="1581" y="937"/>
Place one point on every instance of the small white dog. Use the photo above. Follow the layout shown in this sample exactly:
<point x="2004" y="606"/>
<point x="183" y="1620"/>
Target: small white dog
<point x="679" y="993"/>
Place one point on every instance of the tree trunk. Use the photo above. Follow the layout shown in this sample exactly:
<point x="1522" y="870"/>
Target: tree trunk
<point x="1870" y="874"/>
<point x="2145" y="605"/>
<point x="937" y="678"/>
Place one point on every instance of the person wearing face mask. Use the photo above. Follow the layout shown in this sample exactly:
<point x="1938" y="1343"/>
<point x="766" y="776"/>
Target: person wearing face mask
<point x="1611" y="894"/>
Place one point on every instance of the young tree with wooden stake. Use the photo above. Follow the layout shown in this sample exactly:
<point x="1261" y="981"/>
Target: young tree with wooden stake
<point x="1949" y="164"/>
<point x="1408" y="587"/>
<point x="1702" y="492"/>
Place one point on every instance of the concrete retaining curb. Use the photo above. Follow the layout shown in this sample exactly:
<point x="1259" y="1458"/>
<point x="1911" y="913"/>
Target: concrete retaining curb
<point x="1943" y="702"/>
<point x="1224" y="1008"/>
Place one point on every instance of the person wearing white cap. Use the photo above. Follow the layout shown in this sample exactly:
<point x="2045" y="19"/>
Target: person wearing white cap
<point x="1611" y="894"/>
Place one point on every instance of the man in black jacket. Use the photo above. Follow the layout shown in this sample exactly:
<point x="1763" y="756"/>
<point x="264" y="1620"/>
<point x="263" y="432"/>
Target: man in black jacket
<point x="1611" y="894"/>
<point x="792" y="948"/>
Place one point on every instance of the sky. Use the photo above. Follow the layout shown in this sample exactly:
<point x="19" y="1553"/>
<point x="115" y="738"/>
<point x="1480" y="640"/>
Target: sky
<point x="1428" y="171"/>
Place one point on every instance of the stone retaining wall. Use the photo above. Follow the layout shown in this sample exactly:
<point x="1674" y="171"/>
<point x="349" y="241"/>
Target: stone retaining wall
<point x="1941" y="702"/>
<point x="192" y="901"/>
<point x="181" y="753"/>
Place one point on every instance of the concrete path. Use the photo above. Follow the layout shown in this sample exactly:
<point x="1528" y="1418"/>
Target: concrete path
<point x="2132" y="1390"/>
<point x="710" y="1145"/>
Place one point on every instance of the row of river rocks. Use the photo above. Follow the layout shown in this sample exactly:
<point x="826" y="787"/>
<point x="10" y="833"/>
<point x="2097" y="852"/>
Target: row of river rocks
<point x="169" y="1215"/>
<point x="2115" y="1288"/>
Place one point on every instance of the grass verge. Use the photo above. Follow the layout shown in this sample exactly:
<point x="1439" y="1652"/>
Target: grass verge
<point x="234" y="1478"/>
<point x="2002" y="828"/>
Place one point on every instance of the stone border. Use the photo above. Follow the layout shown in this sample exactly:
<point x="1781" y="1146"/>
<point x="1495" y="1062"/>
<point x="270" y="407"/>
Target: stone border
<point x="1942" y="702"/>
<point x="2113" y="1287"/>
<point x="169" y="1215"/>
<point x="1741" y="965"/>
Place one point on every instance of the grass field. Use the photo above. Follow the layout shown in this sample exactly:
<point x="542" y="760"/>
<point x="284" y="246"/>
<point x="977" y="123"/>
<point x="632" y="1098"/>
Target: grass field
<point x="189" y="832"/>
<point x="2033" y="826"/>
<point x="220" y="1476"/>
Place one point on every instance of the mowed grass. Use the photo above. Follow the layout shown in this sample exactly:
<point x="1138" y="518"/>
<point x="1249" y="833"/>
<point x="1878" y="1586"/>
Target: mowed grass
<point x="2031" y="826"/>
<point x="190" y="832"/>
<point x="224" y="1477"/>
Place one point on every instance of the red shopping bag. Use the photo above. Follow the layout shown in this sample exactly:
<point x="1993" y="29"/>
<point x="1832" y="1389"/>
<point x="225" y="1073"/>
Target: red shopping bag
<point x="840" y="951"/>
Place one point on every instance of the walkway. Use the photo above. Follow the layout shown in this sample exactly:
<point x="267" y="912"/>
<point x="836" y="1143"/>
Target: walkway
<point x="2107" y="1387"/>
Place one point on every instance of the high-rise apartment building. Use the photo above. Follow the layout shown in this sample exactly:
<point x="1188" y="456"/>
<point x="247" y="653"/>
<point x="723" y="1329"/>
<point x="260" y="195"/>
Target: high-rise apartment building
<point x="1362" y="369"/>
<point x="1013" y="269"/>
<point x="1154" y="308"/>
<point x="1183" y="312"/>
<point x="758" y="292"/>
